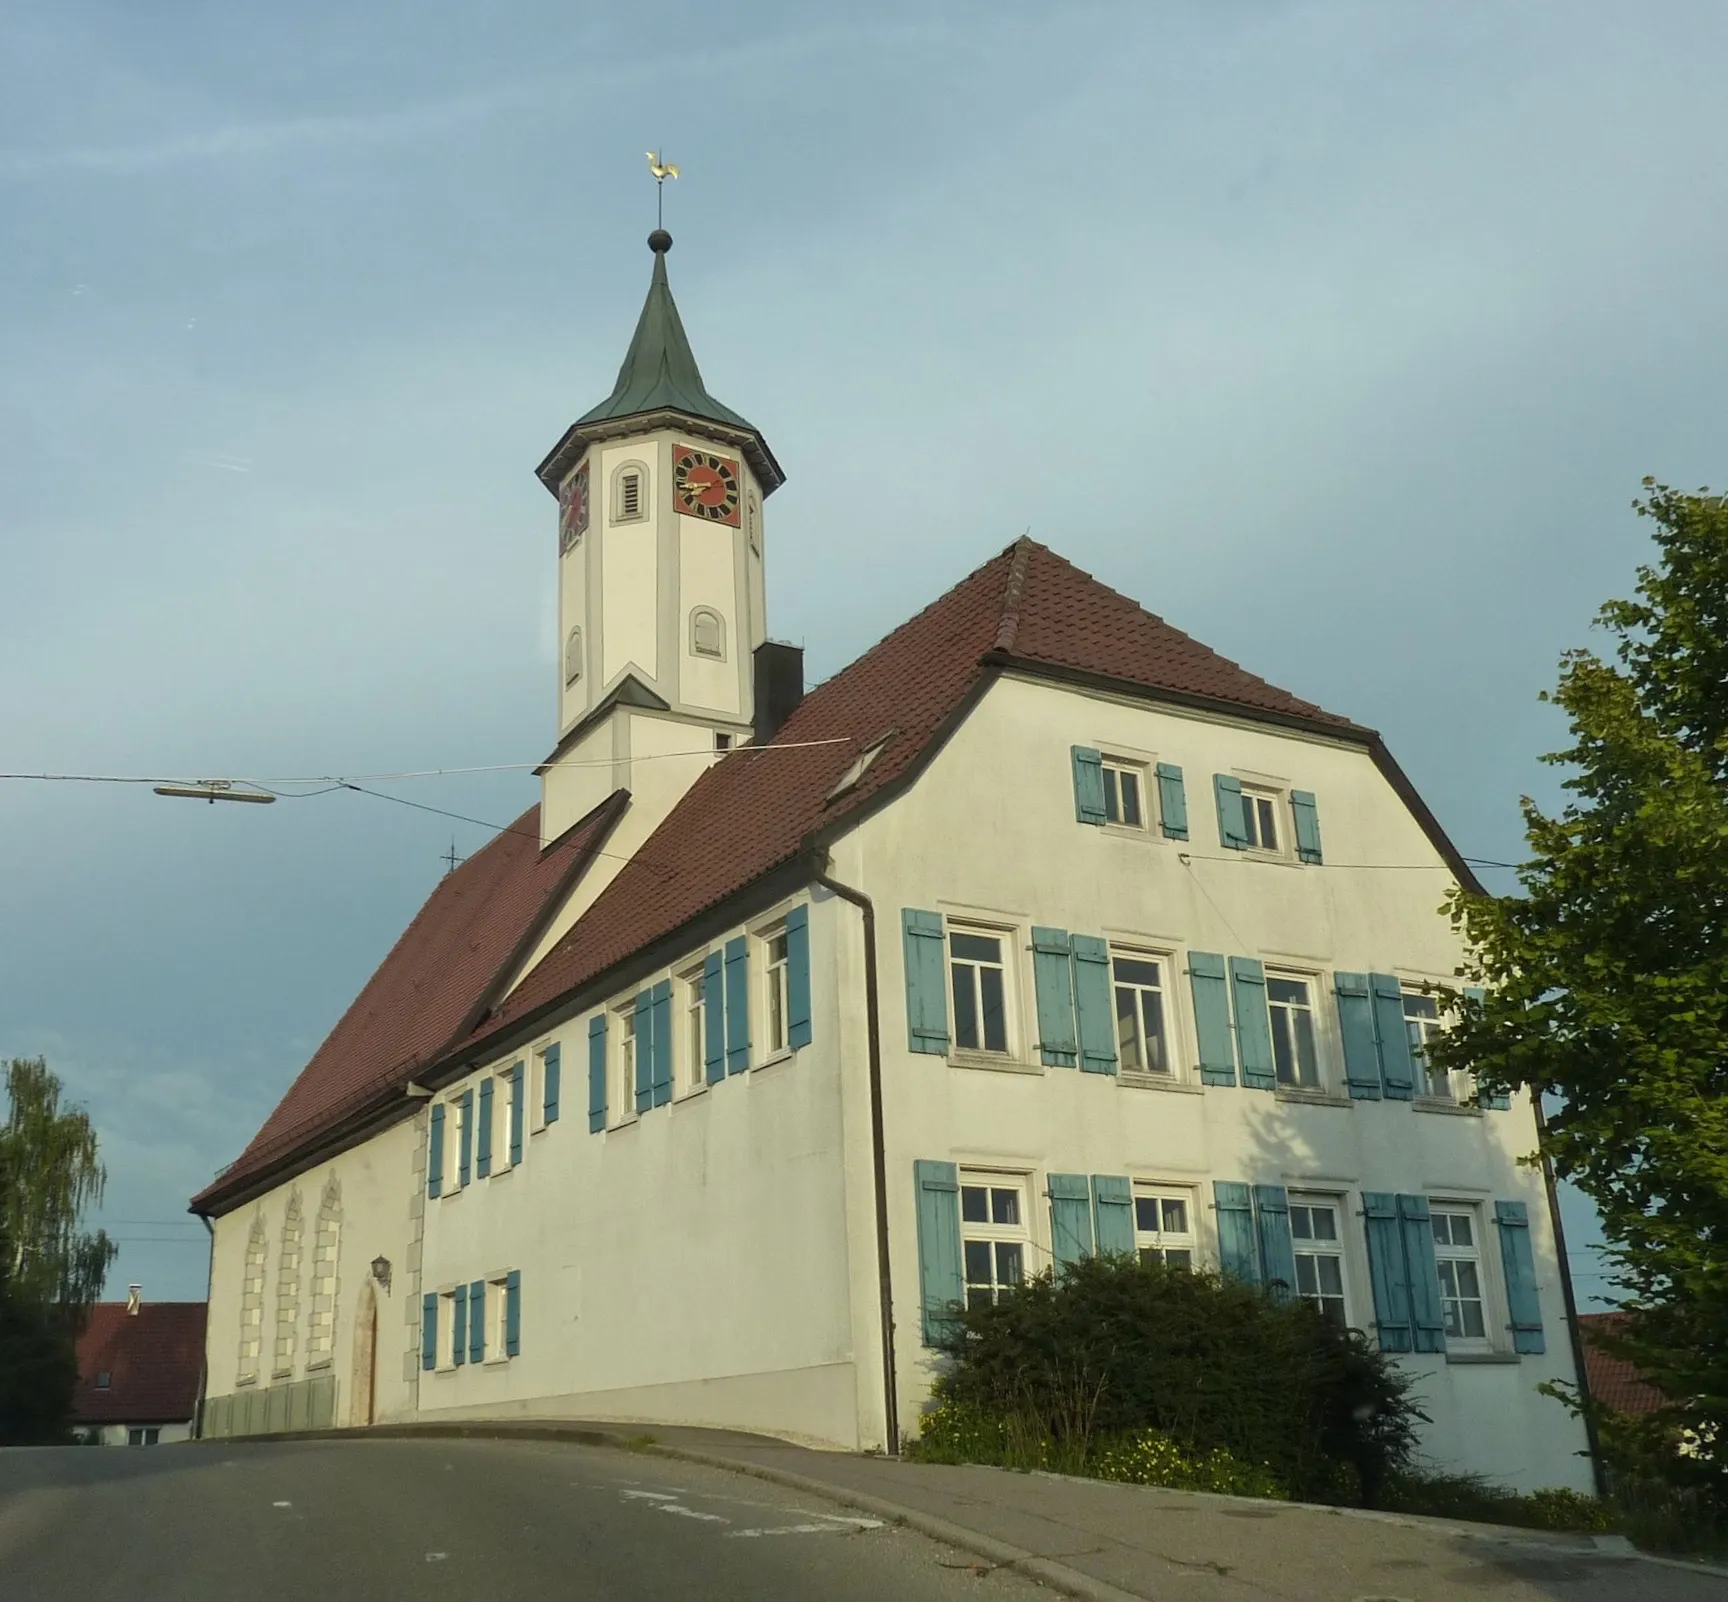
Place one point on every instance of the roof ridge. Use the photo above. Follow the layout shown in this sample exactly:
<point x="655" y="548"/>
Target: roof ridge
<point x="1014" y="591"/>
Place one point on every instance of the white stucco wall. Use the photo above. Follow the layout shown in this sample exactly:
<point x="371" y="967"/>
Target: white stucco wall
<point x="380" y="1205"/>
<point x="990" y="831"/>
<point x="688" y="1264"/>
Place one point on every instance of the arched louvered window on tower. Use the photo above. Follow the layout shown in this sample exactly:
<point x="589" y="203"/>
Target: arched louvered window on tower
<point x="630" y="492"/>
<point x="573" y="656"/>
<point x="708" y="633"/>
<point x="252" y="1303"/>
<point x="288" y="1290"/>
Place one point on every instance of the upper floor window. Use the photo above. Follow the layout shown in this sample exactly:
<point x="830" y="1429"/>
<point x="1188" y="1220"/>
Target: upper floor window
<point x="776" y="994"/>
<point x="994" y="1234"/>
<point x="1124" y="793"/>
<point x="707" y="632"/>
<point x="1260" y="815"/>
<point x="693" y="1050"/>
<point x="1140" y="1033"/>
<point x="1290" y="1010"/>
<point x="1260" y="819"/>
<point x="624" y="1081"/>
<point x="1319" y="1249"/>
<point x="1422" y="1024"/>
<point x="1457" y="1256"/>
<point x="630" y="493"/>
<point x="978" y="983"/>
<point x="1164" y="1226"/>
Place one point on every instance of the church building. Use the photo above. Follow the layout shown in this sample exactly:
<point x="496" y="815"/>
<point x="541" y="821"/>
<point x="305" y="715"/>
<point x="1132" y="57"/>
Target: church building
<point x="786" y="1022"/>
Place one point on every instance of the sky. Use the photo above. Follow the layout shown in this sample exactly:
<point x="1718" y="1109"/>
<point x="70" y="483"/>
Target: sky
<point x="1338" y="332"/>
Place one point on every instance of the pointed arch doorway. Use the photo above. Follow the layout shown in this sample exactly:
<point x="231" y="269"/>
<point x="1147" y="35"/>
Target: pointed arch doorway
<point x="363" y="1381"/>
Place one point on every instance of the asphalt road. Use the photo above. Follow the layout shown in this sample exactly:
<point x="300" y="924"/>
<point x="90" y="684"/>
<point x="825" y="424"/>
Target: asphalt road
<point x="426" y="1520"/>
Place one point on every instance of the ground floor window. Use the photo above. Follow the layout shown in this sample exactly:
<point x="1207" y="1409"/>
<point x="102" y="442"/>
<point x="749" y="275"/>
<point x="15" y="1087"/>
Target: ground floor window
<point x="1457" y="1257"/>
<point x="1319" y="1249"/>
<point x="147" y="1435"/>
<point x="1164" y="1226"/>
<point x="994" y="1237"/>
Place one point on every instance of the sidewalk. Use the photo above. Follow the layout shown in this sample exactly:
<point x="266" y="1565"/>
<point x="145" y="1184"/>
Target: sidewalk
<point x="1105" y="1542"/>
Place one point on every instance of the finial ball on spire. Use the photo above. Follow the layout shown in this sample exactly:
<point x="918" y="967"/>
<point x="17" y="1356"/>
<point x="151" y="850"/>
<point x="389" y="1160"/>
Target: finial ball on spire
<point x="659" y="241"/>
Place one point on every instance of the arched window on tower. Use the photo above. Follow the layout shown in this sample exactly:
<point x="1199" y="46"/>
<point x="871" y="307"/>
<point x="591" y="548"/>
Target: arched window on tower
<point x="288" y="1290"/>
<point x="326" y="1243"/>
<point x="252" y="1303"/>
<point x="573" y="656"/>
<point x="708" y="633"/>
<point x="630" y="492"/>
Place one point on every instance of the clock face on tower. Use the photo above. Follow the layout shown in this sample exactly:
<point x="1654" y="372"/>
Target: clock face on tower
<point x="573" y="509"/>
<point x="707" y="486"/>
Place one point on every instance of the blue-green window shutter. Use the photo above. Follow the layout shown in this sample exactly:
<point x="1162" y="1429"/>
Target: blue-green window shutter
<point x="465" y="1146"/>
<point x="513" y="1313"/>
<point x="643" y="1011"/>
<point x="926" y="982"/>
<point x="1253" y="1029"/>
<point x="1307" y="825"/>
<point x="942" y="1286"/>
<point x="1499" y="1103"/>
<point x="1070" y="1218"/>
<point x="1397" y="1066"/>
<point x="737" y="1005"/>
<point x="1272" y="1225"/>
<point x="1232" y="823"/>
<point x="429" y="1330"/>
<point x="476" y="1321"/>
<point x="1113" y="1212"/>
<point x="1519" y="1262"/>
<point x="1093" y="1005"/>
<point x="459" y="1326"/>
<point x="1053" y="980"/>
<point x="435" y="1154"/>
<point x="1425" y="1312"/>
<point x="1238" y="1251"/>
<point x="552" y="1069"/>
<point x="798" y="1026"/>
<point x="1211" y="990"/>
<point x="1387" y="1270"/>
<point x="1088" y="785"/>
<point x="1356" y="1027"/>
<point x="662" y="1077"/>
<point x="596" y="1073"/>
<point x="714" y="1018"/>
<point x="483" y="1136"/>
<point x="515" y="1113"/>
<point x="1172" y="802"/>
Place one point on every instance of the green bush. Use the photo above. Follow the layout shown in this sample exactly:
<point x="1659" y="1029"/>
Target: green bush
<point x="1469" y="1496"/>
<point x="1116" y="1347"/>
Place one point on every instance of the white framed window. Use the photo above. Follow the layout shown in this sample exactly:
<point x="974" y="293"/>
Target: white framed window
<point x="501" y="1121"/>
<point x="623" y="1098"/>
<point x="495" y="1315"/>
<point x="979" y="989"/>
<point x="143" y="1434"/>
<point x="1463" y="1290"/>
<point x="1125" y="793"/>
<point x="691" y="1053"/>
<point x="1164" y="1225"/>
<point x="776" y="994"/>
<point x="445" y="1343"/>
<point x="535" y="1090"/>
<point x="1260" y="808"/>
<point x="995" y="1234"/>
<point x="461" y="1110"/>
<point x="708" y="633"/>
<point x="1422" y="1024"/>
<point x="1290" y="1011"/>
<point x="629" y="492"/>
<point x="1317" y="1237"/>
<point x="1142" y="1039"/>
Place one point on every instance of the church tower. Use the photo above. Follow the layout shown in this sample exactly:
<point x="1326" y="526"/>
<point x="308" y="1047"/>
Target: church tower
<point x="661" y="602"/>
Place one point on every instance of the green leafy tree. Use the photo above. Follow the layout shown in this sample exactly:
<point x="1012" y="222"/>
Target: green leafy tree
<point x="51" y="1270"/>
<point x="1607" y="978"/>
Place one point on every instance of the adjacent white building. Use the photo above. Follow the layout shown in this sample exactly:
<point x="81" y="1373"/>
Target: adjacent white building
<point x="783" y="1023"/>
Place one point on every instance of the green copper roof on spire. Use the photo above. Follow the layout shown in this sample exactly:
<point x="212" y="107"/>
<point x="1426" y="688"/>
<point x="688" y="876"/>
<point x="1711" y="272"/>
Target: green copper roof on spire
<point x="659" y="371"/>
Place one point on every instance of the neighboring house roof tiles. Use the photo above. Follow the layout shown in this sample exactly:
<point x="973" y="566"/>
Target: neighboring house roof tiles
<point x="1613" y="1381"/>
<point x="428" y="992"/>
<point x="1025" y="609"/>
<point x="152" y="1359"/>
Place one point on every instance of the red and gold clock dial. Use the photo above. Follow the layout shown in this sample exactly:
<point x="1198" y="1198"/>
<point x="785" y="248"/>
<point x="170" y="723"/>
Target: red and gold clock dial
<point x="705" y="485"/>
<point x="573" y="508"/>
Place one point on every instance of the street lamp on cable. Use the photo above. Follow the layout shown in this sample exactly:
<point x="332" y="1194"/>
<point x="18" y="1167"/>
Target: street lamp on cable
<point x="214" y="790"/>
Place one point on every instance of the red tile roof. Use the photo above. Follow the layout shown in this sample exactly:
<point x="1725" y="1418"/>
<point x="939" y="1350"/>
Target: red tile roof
<point x="1027" y="609"/>
<point x="429" y="990"/>
<point x="1614" y="1382"/>
<point x="152" y="1360"/>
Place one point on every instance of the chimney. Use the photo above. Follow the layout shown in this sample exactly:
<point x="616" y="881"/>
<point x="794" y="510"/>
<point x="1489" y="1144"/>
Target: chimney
<point x="134" y="1293"/>
<point x="779" y="687"/>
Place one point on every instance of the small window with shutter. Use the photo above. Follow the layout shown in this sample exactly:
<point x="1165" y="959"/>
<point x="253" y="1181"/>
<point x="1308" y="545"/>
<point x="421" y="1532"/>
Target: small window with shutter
<point x="630" y="493"/>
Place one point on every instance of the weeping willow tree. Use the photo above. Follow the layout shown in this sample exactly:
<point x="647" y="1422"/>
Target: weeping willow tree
<point x="51" y="1269"/>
